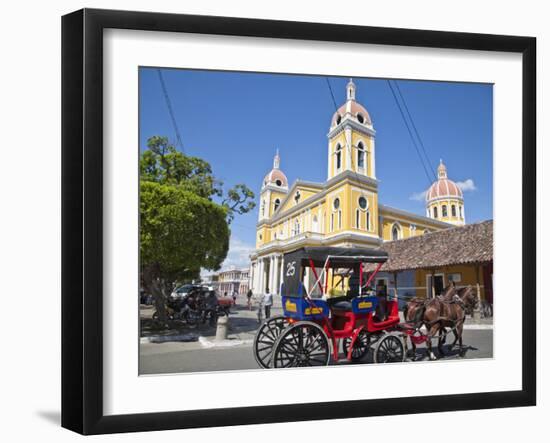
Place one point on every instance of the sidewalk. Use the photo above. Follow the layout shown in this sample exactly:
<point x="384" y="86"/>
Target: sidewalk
<point x="243" y="324"/>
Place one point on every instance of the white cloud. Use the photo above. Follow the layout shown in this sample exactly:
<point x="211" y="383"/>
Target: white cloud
<point x="238" y="254"/>
<point x="418" y="196"/>
<point x="467" y="185"/>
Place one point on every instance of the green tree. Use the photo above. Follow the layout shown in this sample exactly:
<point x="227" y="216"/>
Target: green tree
<point x="182" y="228"/>
<point x="180" y="232"/>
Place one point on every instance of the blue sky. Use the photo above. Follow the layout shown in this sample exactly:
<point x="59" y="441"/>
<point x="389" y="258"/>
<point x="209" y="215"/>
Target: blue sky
<point x="236" y="121"/>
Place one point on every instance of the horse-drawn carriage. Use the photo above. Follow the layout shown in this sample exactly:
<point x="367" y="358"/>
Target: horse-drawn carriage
<point x="313" y="325"/>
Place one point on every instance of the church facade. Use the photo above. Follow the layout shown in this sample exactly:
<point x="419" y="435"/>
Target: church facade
<point x="345" y="209"/>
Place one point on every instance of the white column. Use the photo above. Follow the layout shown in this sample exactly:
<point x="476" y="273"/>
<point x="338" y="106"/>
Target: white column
<point x="282" y="262"/>
<point x="348" y="148"/>
<point x="373" y="159"/>
<point x="259" y="288"/>
<point x="271" y="273"/>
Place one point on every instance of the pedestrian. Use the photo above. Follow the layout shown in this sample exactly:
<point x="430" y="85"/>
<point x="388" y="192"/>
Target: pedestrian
<point x="268" y="302"/>
<point x="234" y="298"/>
<point x="249" y="299"/>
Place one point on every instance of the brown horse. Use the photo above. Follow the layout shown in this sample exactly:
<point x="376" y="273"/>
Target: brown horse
<point x="440" y="314"/>
<point x="446" y="311"/>
<point x="414" y="310"/>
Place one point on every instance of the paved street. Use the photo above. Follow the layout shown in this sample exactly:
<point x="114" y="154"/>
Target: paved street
<point x="173" y="357"/>
<point x="200" y="353"/>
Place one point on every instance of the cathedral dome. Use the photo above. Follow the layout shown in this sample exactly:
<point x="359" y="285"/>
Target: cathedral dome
<point x="276" y="177"/>
<point x="357" y="111"/>
<point x="351" y="109"/>
<point x="443" y="187"/>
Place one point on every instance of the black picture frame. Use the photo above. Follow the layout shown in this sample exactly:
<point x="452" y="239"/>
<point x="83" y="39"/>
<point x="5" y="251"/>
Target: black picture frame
<point x="82" y="219"/>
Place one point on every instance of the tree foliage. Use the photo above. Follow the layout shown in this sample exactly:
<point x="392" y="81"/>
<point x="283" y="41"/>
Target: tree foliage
<point x="163" y="163"/>
<point x="180" y="232"/>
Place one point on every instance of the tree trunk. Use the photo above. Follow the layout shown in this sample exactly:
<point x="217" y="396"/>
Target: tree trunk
<point x="155" y="286"/>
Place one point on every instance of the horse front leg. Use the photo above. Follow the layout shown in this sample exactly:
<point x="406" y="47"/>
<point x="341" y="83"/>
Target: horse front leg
<point x="413" y="349"/>
<point x="459" y="330"/>
<point x="441" y="341"/>
<point x="431" y="333"/>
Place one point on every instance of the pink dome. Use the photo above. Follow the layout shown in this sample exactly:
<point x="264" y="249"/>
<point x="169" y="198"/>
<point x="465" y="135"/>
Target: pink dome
<point x="443" y="188"/>
<point x="276" y="177"/>
<point x="355" y="109"/>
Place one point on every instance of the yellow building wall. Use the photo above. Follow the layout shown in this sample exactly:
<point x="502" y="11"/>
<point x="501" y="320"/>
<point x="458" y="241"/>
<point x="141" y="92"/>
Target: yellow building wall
<point x="468" y="274"/>
<point x="305" y="193"/>
<point x="274" y="196"/>
<point x="405" y="224"/>
<point x="356" y="137"/>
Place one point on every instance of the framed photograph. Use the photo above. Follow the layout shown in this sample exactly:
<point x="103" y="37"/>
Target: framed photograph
<point x="269" y="221"/>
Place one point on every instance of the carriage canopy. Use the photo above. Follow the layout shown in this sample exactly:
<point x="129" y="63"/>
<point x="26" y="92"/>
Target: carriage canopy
<point x="324" y="257"/>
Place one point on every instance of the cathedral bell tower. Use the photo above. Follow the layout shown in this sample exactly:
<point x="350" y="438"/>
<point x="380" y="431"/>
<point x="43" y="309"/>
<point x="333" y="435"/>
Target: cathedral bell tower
<point x="351" y="138"/>
<point x="274" y="190"/>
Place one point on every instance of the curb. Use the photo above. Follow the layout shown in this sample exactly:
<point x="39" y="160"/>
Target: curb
<point x="167" y="338"/>
<point x="478" y="327"/>
<point x="206" y="343"/>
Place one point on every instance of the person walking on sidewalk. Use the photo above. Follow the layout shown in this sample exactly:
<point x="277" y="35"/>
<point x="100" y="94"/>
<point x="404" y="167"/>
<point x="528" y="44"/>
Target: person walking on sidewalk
<point x="234" y="298"/>
<point x="249" y="299"/>
<point x="268" y="302"/>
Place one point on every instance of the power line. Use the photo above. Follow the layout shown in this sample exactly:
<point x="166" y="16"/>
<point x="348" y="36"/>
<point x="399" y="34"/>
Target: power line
<point x="331" y="94"/>
<point x="170" y="110"/>
<point x="415" y="129"/>
<point x="410" y="133"/>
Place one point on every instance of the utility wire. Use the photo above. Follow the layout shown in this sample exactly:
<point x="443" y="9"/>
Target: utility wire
<point x="415" y="129"/>
<point x="331" y="94"/>
<point x="170" y="110"/>
<point x="410" y="133"/>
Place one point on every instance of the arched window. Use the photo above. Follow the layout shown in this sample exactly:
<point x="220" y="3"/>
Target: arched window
<point x="338" y="157"/>
<point x="362" y="203"/>
<point x="460" y="210"/>
<point x="276" y="204"/>
<point x="263" y="208"/>
<point x="360" y="156"/>
<point x="395" y="232"/>
<point x="278" y="182"/>
<point x="296" y="227"/>
<point x="435" y="211"/>
<point x="453" y="210"/>
<point x="357" y="219"/>
<point x="360" y="118"/>
<point x="444" y="211"/>
<point x="339" y="219"/>
<point x="336" y="203"/>
<point x="367" y="221"/>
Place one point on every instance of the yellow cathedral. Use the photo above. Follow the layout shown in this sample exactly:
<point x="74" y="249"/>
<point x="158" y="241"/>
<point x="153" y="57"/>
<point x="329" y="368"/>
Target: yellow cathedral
<point x="344" y="210"/>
